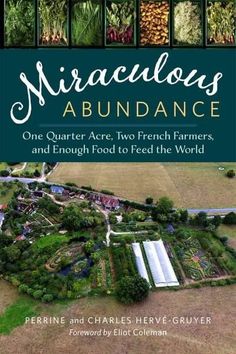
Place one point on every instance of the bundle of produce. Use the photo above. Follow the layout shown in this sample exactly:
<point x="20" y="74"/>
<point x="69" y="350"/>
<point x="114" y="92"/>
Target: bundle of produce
<point x="86" y="27"/>
<point x="19" y="22"/>
<point x="154" y="22"/>
<point x="120" y="22"/>
<point x="221" y="22"/>
<point x="53" y="22"/>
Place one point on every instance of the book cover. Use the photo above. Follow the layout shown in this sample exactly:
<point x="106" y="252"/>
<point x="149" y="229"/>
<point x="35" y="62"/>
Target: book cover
<point x="118" y="233"/>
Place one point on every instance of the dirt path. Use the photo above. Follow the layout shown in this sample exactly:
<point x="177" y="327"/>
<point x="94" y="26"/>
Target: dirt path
<point x="20" y="169"/>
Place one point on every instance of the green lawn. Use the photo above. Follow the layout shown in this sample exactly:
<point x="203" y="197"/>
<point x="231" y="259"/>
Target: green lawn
<point x="50" y="240"/>
<point x="31" y="167"/>
<point x="228" y="231"/>
<point x="3" y="166"/>
<point x="15" y="314"/>
<point x="6" y="193"/>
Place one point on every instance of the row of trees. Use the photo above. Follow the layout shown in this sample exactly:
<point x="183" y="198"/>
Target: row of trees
<point x="75" y="218"/>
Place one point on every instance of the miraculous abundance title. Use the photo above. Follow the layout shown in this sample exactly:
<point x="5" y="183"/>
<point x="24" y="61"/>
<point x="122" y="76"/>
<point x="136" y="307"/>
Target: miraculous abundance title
<point x="104" y="78"/>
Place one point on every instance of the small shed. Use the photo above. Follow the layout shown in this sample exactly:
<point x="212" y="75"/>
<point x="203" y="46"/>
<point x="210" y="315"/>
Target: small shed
<point x="170" y="229"/>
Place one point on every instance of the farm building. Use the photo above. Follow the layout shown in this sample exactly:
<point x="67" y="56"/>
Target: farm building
<point x="57" y="190"/>
<point x="139" y="261"/>
<point x="170" y="229"/>
<point x="107" y="202"/>
<point x="20" y="238"/>
<point x="38" y="194"/>
<point x="162" y="271"/>
<point x="1" y="219"/>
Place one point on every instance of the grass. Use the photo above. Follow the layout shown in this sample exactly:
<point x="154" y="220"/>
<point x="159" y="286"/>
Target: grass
<point x="3" y="166"/>
<point x="31" y="167"/>
<point x="15" y="314"/>
<point x="216" y="303"/>
<point x="228" y="231"/>
<point x="6" y="193"/>
<point x="192" y="185"/>
<point x="51" y="240"/>
<point x="8" y="295"/>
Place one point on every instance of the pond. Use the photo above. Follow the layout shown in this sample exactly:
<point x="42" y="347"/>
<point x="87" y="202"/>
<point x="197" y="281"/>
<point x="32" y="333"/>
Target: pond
<point x="80" y="268"/>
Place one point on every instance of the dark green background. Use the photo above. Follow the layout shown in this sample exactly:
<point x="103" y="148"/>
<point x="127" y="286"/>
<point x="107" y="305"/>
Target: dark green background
<point x="206" y="61"/>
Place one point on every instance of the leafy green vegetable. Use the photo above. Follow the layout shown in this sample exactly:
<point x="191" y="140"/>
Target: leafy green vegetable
<point x="19" y="22"/>
<point x="221" y="22"/>
<point x="86" y="23"/>
<point x="120" y="16"/>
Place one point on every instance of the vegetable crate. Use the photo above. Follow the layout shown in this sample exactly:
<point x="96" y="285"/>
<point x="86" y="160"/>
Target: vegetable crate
<point x="154" y="23"/>
<point x="120" y="23"/>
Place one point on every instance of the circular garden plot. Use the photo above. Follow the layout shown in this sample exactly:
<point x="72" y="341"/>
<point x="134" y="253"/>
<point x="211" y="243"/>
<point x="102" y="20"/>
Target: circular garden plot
<point x="196" y="263"/>
<point x="70" y="259"/>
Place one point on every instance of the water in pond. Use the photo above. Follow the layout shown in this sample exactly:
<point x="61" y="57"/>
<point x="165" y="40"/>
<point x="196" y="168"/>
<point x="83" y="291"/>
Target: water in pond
<point x="83" y="273"/>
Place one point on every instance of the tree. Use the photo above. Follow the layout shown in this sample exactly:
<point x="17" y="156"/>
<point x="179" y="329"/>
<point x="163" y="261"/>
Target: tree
<point x="162" y="210"/>
<point x="47" y="204"/>
<point x="201" y="219"/>
<point x="23" y="288"/>
<point x="37" y="294"/>
<point x="4" y="173"/>
<point x="131" y="289"/>
<point x="47" y="298"/>
<point x="230" y="219"/>
<point x="165" y="205"/>
<point x="13" y="253"/>
<point x="89" y="246"/>
<point x="216" y="220"/>
<point x="149" y="200"/>
<point x="230" y="173"/>
<point x="183" y="215"/>
<point x="37" y="173"/>
<point x="72" y="218"/>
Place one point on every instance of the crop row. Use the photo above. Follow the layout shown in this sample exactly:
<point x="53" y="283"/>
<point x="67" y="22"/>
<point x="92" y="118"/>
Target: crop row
<point x="123" y="261"/>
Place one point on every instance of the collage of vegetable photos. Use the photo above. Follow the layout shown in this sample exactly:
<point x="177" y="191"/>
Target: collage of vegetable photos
<point x="118" y="23"/>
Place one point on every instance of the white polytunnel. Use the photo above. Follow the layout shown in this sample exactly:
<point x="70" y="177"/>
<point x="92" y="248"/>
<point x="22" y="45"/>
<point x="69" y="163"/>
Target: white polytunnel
<point x="139" y="261"/>
<point x="166" y="265"/>
<point x="154" y="264"/>
<point x="159" y="263"/>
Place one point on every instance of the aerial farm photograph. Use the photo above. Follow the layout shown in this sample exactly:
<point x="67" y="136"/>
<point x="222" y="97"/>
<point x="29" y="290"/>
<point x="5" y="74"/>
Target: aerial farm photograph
<point x="117" y="258"/>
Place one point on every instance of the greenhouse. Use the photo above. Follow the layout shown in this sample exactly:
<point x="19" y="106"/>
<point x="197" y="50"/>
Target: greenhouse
<point x="159" y="263"/>
<point x="165" y="263"/>
<point x="139" y="261"/>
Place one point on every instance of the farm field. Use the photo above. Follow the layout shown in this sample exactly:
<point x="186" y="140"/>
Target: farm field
<point x="5" y="166"/>
<point x="8" y="294"/>
<point x="215" y="338"/>
<point x="31" y="167"/>
<point x="192" y="185"/>
<point x="228" y="231"/>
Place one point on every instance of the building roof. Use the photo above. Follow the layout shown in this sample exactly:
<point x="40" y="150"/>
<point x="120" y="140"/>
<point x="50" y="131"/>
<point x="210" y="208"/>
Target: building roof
<point x="57" y="189"/>
<point x="139" y="261"/>
<point x="3" y="206"/>
<point x="161" y="268"/>
<point x="170" y="228"/>
<point x="20" y="238"/>
<point x="1" y="218"/>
